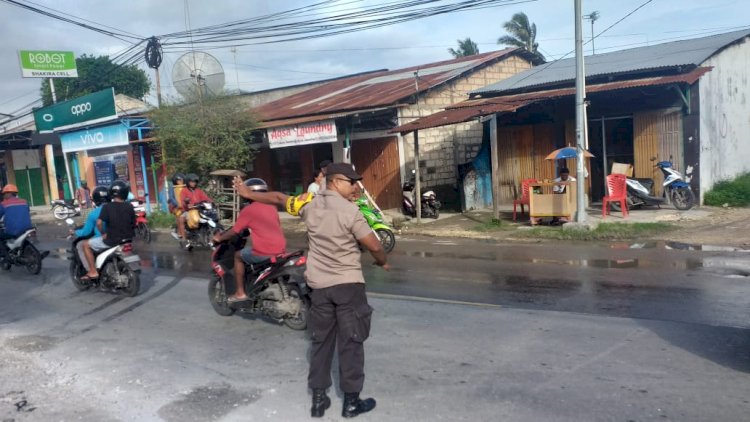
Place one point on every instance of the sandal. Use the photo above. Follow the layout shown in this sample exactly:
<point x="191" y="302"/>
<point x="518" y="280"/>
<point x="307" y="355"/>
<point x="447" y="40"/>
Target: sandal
<point x="232" y="300"/>
<point x="89" y="278"/>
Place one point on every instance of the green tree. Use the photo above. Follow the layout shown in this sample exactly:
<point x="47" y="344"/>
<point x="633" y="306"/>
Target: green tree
<point x="522" y="34"/>
<point x="204" y="136"/>
<point x="465" y="48"/>
<point x="95" y="74"/>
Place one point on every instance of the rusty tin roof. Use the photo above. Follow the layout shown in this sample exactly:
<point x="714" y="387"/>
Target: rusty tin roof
<point x="374" y="90"/>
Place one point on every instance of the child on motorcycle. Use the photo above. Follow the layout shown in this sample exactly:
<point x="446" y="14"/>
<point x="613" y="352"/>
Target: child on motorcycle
<point x="190" y="196"/>
<point x="100" y="196"/>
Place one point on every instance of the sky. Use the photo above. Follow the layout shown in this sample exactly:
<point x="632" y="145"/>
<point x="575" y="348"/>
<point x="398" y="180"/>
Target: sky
<point x="252" y="68"/>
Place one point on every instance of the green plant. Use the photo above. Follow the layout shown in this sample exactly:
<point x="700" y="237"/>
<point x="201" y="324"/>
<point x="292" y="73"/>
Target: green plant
<point x="161" y="220"/>
<point x="491" y="225"/>
<point x="735" y="193"/>
<point x="604" y="231"/>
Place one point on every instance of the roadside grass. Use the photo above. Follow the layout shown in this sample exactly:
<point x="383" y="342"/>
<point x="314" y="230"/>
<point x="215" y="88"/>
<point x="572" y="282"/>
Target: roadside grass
<point x="604" y="231"/>
<point x="493" y="224"/>
<point x="161" y="220"/>
<point x="735" y="193"/>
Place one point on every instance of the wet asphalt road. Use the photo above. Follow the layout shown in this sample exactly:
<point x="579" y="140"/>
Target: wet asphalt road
<point x="654" y="280"/>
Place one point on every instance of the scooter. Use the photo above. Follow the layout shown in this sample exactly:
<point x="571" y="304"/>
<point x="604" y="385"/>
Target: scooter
<point x="65" y="208"/>
<point x="377" y="223"/>
<point x="22" y="252"/>
<point x="119" y="268"/>
<point x="142" y="230"/>
<point x="675" y="189"/>
<point x="208" y="226"/>
<point x="430" y="204"/>
<point x="276" y="287"/>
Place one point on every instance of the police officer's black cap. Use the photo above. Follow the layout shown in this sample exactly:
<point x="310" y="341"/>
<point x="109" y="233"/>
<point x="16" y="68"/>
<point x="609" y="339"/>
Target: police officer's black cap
<point x="323" y="164"/>
<point x="343" y="169"/>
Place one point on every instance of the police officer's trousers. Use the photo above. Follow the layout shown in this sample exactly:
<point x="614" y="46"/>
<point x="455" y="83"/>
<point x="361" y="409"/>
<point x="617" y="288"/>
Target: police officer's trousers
<point x="339" y="316"/>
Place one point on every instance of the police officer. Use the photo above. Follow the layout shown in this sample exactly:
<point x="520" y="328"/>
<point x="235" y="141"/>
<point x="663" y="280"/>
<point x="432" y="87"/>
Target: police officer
<point x="339" y="310"/>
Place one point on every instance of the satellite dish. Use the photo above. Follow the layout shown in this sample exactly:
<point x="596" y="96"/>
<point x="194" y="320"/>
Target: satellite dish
<point x="197" y="75"/>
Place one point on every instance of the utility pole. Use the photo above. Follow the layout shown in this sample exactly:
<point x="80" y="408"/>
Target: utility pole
<point x="417" y="186"/>
<point x="236" y="73"/>
<point x="593" y="17"/>
<point x="49" y="155"/>
<point x="580" y="116"/>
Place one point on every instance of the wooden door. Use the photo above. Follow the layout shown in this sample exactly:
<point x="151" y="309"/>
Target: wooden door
<point x="377" y="161"/>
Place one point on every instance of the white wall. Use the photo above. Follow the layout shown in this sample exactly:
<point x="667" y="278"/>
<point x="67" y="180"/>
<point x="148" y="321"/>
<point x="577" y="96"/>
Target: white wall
<point x="725" y="116"/>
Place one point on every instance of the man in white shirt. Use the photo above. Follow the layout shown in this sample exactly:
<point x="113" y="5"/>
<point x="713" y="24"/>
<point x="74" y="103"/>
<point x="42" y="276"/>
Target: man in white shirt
<point x="564" y="177"/>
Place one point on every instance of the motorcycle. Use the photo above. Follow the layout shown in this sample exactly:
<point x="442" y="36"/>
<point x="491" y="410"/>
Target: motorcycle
<point x="208" y="225"/>
<point x="119" y="268"/>
<point x="675" y="189"/>
<point x="142" y="230"/>
<point x="429" y="202"/>
<point x="377" y="224"/>
<point x="275" y="288"/>
<point x="65" y="208"/>
<point x="22" y="252"/>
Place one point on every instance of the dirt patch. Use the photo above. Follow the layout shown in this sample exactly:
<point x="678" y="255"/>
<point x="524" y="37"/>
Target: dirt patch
<point x="207" y="403"/>
<point x="724" y="226"/>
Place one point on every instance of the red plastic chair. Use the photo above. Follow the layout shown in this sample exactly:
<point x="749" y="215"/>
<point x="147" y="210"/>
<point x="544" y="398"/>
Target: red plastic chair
<point x="617" y="188"/>
<point x="524" y="199"/>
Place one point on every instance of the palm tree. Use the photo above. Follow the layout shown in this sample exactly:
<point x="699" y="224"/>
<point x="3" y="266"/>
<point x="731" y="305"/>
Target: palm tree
<point x="466" y="47"/>
<point x="522" y="34"/>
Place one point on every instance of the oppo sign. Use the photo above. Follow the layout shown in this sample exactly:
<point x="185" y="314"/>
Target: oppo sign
<point x="80" y="109"/>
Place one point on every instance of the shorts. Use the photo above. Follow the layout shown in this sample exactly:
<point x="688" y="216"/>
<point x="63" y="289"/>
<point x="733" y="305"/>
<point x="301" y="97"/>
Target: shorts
<point x="249" y="258"/>
<point x="97" y="244"/>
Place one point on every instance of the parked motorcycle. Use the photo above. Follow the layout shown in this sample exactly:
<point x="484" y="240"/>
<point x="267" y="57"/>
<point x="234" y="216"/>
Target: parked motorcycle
<point x="208" y="225"/>
<point x="639" y="191"/>
<point x="430" y="204"/>
<point x="377" y="224"/>
<point x="142" y="230"/>
<point x="119" y="268"/>
<point x="22" y="252"/>
<point x="276" y="287"/>
<point x="65" y="208"/>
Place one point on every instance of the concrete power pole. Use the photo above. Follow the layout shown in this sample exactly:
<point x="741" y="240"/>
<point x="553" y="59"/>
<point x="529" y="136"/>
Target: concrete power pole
<point x="580" y="117"/>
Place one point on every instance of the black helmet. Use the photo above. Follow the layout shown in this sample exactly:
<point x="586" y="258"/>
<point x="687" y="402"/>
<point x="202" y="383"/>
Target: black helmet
<point x="255" y="184"/>
<point x="100" y="195"/>
<point x="119" y="189"/>
<point x="176" y="177"/>
<point x="191" y="177"/>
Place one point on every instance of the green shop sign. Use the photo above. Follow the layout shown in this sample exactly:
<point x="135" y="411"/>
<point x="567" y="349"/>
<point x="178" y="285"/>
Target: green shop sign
<point x="48" y="64"/>
<point x="82" y="111"/>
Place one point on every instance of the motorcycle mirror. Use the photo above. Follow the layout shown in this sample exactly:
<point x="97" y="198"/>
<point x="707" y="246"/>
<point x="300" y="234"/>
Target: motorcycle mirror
<point x="69" y="221"/>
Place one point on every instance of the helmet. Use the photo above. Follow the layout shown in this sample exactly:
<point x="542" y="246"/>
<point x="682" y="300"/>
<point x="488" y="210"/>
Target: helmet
<point x="191" y="177"/>
<point x="255" y="184"/>
<point x="176" y="177"/>
<point x="100" y="195"/>
<point x="119" y="189"/>
<point x="10" y="188"/>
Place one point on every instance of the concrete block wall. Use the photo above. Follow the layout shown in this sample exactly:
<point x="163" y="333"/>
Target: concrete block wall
<point x="443" y="148"/>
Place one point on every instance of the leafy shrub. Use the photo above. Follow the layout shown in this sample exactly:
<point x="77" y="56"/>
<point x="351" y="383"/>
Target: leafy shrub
<point x="735" y="192"/>
<point x="161" y="220"/>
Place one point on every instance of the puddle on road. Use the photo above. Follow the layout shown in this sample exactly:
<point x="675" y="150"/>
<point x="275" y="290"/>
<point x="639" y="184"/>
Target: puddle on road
<point x="32" y="343"/>
<point x="207" y="403"/>
<point x="668" y="245"/>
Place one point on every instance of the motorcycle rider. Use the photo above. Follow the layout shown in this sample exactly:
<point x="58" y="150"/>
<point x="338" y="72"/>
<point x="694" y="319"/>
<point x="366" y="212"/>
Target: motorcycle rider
<point x="190" y="196"/>
<point x="119" y="218"/>
<point x="265" y="230"/>
<point x="175" y="191"/>
<point x="339" y="312"/>
<point x="17" y="217"/>
<point x="100" y="196"/>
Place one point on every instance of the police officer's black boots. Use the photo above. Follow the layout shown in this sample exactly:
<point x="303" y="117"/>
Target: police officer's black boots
<point x="320" y="402"/>
<point x="353" y="405"/>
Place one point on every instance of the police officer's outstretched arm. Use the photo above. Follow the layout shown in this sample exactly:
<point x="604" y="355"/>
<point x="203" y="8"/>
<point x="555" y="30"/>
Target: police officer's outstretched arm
<point x="271" y="198"/>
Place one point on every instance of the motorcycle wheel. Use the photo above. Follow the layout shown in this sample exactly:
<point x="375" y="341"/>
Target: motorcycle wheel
<point x="134" y="280"/>
<point x="7" y="265"/>
<point x="143" y="232"/>
<point x="32" y="258"/>
<point x="76" y="272"/>
<point x="387" y="239"/>
<point x="683" y="198"/>
<point x="60" y="212"/>
<point x="299" y="321"/>
<point x="218" y="297"/>
<point x="435" y="213"/>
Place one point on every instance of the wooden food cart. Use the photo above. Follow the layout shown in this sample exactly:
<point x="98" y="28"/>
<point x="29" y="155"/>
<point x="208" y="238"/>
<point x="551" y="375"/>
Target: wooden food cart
<point x="543" y="202"/>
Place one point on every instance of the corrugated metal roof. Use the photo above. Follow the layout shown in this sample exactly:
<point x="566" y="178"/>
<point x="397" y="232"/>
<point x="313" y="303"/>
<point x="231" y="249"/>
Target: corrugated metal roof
<point x="468" y="110"/>
<point x="315" y="118"/>
<point x="692" y="52"/>
<point x="374" y="90"/>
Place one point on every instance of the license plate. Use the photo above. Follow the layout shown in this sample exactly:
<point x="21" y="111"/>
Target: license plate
<point x="132" y="258"/>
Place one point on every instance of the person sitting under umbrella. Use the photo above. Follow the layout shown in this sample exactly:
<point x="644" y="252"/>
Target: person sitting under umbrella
<point x="564" y="177"/>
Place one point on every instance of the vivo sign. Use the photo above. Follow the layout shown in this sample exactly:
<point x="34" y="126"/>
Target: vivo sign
<point x="101" y="137"/>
